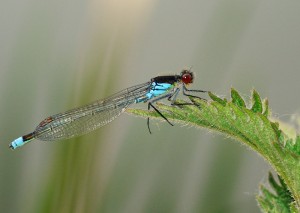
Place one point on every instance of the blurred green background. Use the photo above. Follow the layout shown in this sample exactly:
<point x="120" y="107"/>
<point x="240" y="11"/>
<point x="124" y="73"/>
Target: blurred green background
<point x="59" y="54"/>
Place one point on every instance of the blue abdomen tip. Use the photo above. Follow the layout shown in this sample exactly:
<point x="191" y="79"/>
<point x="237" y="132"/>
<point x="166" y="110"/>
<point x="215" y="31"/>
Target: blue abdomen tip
<point x="17" y="143"/>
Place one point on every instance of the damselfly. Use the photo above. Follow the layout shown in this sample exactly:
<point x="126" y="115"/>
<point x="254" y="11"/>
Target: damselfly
<point x="87" y="118"/>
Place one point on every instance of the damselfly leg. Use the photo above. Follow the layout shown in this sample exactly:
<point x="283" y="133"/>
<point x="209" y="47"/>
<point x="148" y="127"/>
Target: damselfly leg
<point x="150" y="104"/>
<point x="185" y="92"/>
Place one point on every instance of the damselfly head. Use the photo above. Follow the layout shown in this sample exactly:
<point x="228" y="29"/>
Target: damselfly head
<point x="187" y="76"/>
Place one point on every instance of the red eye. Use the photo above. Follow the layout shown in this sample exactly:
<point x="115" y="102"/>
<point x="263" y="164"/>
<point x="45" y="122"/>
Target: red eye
<point x="187" y="78"/>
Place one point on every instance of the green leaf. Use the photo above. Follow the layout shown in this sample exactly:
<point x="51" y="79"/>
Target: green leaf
<point x="281" y="201"/>
<point x="270" y="203"/>
<point x="250" y="126"/>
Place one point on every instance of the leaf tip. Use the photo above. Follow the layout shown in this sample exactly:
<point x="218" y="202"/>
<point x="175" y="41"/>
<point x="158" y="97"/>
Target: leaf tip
<point x="217" y="99"/>
<point x="266" y="110"/>
<point x="237" y="99"/>
<point x="256" y="102"/>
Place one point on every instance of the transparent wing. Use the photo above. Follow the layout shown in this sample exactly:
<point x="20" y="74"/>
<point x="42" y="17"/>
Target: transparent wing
<point x="90" y="117"/>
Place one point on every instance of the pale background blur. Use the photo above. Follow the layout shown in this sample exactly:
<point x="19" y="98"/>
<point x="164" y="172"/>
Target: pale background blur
<point x="59" y="54"/>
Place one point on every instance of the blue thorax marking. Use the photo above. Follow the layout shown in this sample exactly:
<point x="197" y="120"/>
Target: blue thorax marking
<point x="157" y="89"/>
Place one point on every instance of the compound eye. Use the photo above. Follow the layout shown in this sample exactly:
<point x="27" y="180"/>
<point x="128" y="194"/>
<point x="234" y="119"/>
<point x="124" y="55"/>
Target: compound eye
<point x="187" y="78"/>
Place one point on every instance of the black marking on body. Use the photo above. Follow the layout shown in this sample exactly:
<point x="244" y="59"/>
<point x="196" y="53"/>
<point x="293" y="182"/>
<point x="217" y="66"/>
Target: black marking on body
<point x="28" y="137"/>
<point x="170" y="79"/>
